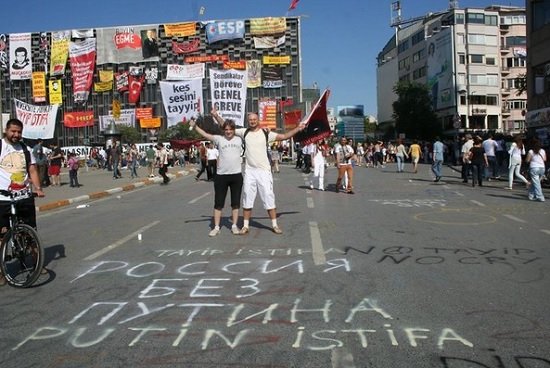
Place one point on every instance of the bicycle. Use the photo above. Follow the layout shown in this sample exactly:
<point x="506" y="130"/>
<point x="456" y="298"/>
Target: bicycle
<point x="21" y="255"/>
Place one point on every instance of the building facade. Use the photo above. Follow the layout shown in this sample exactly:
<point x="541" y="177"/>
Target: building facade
<point x="538" y="69"/>
<point x="278" y="52"/>
<point x="471" y="60"/>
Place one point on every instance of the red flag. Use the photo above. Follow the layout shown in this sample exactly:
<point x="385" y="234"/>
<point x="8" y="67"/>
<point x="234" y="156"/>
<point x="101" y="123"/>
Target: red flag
<point x="317" y="126"/>
<point x="293" y="5"/>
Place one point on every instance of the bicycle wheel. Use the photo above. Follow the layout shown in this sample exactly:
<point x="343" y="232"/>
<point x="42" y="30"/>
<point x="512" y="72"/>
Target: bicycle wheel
<point x="21" y="256"/>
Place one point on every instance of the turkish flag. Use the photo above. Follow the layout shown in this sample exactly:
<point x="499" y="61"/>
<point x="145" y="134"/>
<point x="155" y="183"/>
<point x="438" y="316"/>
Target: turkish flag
<point x="317" y="126"/>
<point x="134" y="87"/>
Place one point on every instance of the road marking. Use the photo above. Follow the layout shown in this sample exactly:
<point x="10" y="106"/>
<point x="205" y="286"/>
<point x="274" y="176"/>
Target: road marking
<point x="547" y="232"/>
<point x="515" y="218"/>
<point x="341" y="358"/>
<point x="316" y="244"/>
<point x="120" y="242"/>
<point x="310" y="203"/>
<point x="478" y="203"/>
<point x="199" y="198"/>
<point x="459" y="194"/>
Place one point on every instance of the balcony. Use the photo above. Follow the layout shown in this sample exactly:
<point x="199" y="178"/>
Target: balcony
<point x="504" y="49"/>
<point x="506" y="111"/>
<point x="505" y="91"/>
<point x="504" y="28"/>
<point x="505" y="70"/>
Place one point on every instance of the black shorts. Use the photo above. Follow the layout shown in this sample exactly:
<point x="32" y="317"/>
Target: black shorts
<point x="26" y="211"/>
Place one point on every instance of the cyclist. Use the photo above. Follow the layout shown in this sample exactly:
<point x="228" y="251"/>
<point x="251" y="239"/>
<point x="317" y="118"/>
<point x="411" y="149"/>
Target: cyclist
<point x="17" y="171"/>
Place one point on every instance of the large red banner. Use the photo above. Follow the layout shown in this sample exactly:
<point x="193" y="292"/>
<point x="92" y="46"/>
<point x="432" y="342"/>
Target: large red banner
<point x="82" y="59"/>
<point x="317" y="126"/>
<point x="79" y="119"/>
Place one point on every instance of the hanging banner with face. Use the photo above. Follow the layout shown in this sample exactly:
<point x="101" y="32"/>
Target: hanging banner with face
<point x="127" y="44"/>
<point x="228" y="93"/>
<point x="20" y="56"/>
<point x="55" y="92"/>
<point x="38" y="121"/>
<point x="182" y="100"/>
<point x="3" y="53"/>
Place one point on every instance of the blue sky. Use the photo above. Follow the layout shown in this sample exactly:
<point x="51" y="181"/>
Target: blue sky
<point x="340" y="38"/>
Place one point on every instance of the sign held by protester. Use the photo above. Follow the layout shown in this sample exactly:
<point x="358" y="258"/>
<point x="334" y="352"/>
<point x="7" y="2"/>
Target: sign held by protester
<point x="317" y="126"/>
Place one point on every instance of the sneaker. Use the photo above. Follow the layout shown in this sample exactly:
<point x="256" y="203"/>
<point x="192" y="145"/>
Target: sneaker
<point x="350" y="192"/>
<point x="214" y="232"/>
<point x="244" y="231"/>
<point x="235" y="230"/>
<point x="277" y="230"/>
<point x="322" y="189"/>
<point x="311" y="186"/>
<point x="507" y="188"/>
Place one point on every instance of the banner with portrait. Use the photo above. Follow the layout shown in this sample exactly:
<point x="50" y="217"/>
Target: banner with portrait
<point x="20" y="56"/>
<point x="127" y="44"/>
<point x="254" y="73"/>
<point x="55" y="92"/>
<point x="38" y="121"/>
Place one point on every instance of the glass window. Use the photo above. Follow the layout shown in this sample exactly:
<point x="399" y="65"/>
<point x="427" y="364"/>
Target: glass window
<point x="476" y="59"/>
<point x="461" y="59"/>
<point x="490" y="60"/>
<point x="491" y="20"/>
<point x="541" y="14"/>
<point x="492" y="100"/>
<point x="477" y="18"/>
<point x="459" y="18"/>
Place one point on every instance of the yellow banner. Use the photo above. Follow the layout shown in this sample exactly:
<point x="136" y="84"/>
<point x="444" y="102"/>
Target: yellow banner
<point x="58" y="58"/>
<point x="116" y="108"/>
<point x="267" y="26"/>
<point x="56" y="95"/>
<point x="106" y="76"/>
<point x="271" y="60"/>
<point x="180" y="29"/>
<point x="150" y="123"/>
<point x="103" y="86"/>
<point x="39" y="86"/>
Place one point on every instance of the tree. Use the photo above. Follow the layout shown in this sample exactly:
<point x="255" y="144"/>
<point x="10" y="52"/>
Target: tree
<point x="413" y="111"/>
<point x="129" y="134"/>
<point x="179" y="131"/>
<point x="521" y="84"/>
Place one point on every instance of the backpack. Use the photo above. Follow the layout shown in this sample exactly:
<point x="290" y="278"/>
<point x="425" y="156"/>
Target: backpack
<point x="266" y="132"/>
<point x="26" y="152"/>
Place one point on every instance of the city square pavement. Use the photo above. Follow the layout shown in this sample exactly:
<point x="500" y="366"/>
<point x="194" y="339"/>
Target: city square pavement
<point x="99" y="183"/>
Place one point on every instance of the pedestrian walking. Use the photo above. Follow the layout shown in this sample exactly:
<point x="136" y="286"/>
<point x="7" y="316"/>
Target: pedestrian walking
<point x="318" y="163"/>
<point x="437" y="164"/>
<point x="536" y="157"/>
<point x="73" y="164"/>
<point x="344" y="154"/>
<point x="415" y="151"/>
<point x="400" y="155"/>
<point x="162" y="161"/>
<point x="479" y="161"/>
<point x="516" y="152"/>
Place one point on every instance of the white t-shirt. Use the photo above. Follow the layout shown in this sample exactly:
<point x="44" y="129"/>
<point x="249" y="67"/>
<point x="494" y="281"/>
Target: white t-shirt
<point x="229" y="161"/>
<point x="13" y="171"/>
<point x="255" y="153"/>
<point x="344" y="150"/>
<point x="537" y="159"/>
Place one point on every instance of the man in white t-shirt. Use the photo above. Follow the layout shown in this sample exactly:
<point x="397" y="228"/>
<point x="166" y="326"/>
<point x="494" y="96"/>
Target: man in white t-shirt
<point x="257" y="173"/>
<point x="16" y="176"/>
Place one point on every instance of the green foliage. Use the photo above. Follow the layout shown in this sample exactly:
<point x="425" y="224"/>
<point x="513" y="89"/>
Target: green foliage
<point x="178" y="131"/>
<point x="413" y="111"/>
<point x="129" y="134"/>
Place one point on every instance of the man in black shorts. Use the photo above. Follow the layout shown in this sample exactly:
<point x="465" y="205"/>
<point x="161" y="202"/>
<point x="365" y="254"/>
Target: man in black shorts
<point x="17" y="173"/>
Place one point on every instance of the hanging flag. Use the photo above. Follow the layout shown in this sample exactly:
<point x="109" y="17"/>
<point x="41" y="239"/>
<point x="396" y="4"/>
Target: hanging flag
<point x="293" y="5"/>
<point x="134" y="87"/>
<point x="317" y="126"/>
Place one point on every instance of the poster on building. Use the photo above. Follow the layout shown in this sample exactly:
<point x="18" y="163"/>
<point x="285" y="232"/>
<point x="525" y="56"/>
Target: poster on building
<point x="39" y="86"/>
<point x="179" y="29"/>
<point x="20" y="56"/>
<point x="228" y="93"/>
<point x="268" y="42"/>
<point x="267" y="113"/>
<point x="440" y="73"/>
<point x="254" y="73"/>
<point x="267" y="26"/>
<point x="182" y="100"/>
<point x="82" y="60"/>
<point x="38" y="121"/>
<point x="133" y="44"/>
<point x="55" y="92"/>
<point x="127" y="118"/>
<point x="272" y="76"/>
<point x="224" y="30"/>
<point x="185" y="72"/>
<point x="78" y="119"/>
<point x="59" y="52"/>
<point x="3" y="53"/>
